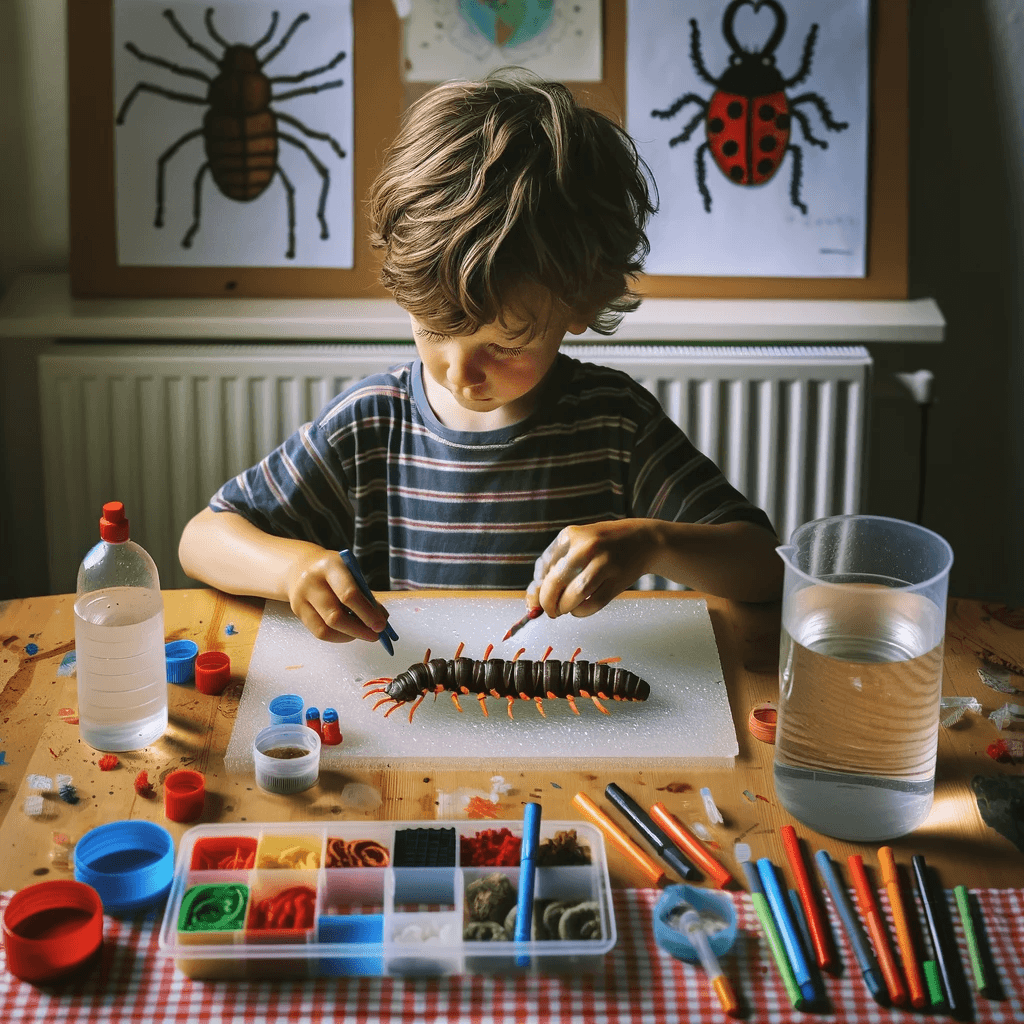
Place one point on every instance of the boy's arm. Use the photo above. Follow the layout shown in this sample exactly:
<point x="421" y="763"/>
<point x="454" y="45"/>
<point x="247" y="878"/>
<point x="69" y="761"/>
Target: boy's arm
<point x="586" y="566"/>
<point x="226" y="551"/>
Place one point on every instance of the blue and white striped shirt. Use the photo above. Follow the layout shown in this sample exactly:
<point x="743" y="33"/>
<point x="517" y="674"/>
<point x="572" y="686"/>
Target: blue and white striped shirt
<point x="424" y="506"/>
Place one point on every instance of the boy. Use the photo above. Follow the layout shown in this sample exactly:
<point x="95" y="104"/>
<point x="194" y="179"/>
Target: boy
<point x="507" y="216"/>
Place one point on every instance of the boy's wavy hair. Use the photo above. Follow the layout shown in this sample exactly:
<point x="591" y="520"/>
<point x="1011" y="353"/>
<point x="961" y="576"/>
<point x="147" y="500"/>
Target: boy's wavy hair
<point x="497" y="184"/>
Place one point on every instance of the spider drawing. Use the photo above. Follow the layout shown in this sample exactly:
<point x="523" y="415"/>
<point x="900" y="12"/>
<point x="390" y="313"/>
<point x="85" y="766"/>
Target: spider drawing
<point x="241" y="129"/>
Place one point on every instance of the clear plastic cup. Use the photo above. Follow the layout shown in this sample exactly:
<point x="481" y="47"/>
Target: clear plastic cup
<point x="287" y="758"/>
<point x="860" y="675"/>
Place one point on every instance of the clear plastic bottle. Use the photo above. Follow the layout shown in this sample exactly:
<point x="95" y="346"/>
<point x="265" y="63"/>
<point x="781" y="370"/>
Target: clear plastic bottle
<point x="119" y="641"/>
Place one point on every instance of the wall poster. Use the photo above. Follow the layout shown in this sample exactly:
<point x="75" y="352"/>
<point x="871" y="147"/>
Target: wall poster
<point x="754" y="117"/>
<point x="467" y="39"/>
<point x="233" y="133"/>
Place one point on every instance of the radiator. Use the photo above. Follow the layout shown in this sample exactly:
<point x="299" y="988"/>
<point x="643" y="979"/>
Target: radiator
<point x="161" y="427"/>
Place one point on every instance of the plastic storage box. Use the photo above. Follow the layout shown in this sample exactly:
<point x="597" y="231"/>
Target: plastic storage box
<point x="407" y="918"/>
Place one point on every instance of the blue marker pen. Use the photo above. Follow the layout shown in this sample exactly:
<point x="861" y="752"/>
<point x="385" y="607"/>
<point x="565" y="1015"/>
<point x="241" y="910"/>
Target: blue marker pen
<point x="387" y="634"/>
<point x="787" y="929"/>
<point x="527" y="874"/>
<point x="854" y="932"/>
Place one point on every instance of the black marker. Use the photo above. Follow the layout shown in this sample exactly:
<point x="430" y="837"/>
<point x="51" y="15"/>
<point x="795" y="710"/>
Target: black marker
<point x="641" y="820"/>
<point x="929" y="904"/>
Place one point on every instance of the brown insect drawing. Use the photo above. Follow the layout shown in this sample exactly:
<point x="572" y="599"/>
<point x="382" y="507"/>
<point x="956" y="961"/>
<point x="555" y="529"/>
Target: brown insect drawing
<point x="241" y="129"/>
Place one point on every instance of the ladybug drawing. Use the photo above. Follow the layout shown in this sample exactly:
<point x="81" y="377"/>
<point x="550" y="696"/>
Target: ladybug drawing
<point x="241" y="129"/>
<point x="748" y="118"/>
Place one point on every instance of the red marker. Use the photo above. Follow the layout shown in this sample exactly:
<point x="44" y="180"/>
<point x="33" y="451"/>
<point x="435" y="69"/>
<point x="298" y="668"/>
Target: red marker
<point x="812" y="911"/>
<point x="533" y="613"/>
<point x="876" y="929"/>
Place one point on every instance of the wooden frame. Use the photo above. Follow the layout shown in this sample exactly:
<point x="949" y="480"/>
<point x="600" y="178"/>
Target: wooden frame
<point x="379" y="100"/>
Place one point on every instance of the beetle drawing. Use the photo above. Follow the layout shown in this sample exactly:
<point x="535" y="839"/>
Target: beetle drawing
<point x="748" y="117"/>
<point x="241" y="128"/>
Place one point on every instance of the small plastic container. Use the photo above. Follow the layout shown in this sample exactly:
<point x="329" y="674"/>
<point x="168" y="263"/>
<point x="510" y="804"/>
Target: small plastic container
<point x="129" y="863"/>
<point x="292" y="772"/>
<point x="286" y="709"/>
<point x="213" y="672"/>
<point x="52" y="929"/>
<point x="184" y="795"/>
<point x="372" y="916"/>
<point x="181" y="660"/>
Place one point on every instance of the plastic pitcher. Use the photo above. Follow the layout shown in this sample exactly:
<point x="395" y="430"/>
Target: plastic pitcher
<point x="860" y="675"/>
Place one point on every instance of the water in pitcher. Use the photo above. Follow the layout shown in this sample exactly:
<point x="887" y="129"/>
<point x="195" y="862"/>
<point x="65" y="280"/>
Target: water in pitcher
<point x="860" y="684"/>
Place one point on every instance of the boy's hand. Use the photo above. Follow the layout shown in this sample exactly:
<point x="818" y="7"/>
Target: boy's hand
<point x="328" y="601"/>
<point x="584" y="567"/>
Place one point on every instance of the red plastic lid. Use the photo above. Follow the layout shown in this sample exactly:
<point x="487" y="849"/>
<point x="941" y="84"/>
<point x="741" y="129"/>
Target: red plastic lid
<point x="51" y="929"/>
<point x="113" y="524"/>
<point x="763" y="721"/>
<point x="213" y="672"/>
<point x="184" y="795"/>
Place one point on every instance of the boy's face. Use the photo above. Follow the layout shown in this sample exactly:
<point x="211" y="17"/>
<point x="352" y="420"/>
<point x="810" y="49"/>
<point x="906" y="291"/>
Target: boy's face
<point x="487" y="380"/>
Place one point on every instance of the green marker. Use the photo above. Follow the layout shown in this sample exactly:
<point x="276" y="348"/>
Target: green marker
<point x="977" y="964"/>
<point x="771" y="933"/>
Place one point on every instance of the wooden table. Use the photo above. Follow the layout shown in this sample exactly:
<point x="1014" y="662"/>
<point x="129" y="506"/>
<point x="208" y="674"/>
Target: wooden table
<point x="36" y="739"/>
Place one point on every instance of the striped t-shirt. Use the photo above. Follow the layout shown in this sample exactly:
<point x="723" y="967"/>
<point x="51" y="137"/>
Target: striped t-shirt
<point x="424" y="506"/>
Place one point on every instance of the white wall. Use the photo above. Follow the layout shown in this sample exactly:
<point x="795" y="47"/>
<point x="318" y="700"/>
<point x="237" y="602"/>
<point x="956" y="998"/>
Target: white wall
<point x="967" y="230"/>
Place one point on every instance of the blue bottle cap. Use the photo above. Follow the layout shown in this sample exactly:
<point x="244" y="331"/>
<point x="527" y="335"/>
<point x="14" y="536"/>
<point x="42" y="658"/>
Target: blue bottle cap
<point x="181" y="660"/>
<point x="312" y="714"/>
<point x="330" y="715"/>
<point x="286" y="709"/>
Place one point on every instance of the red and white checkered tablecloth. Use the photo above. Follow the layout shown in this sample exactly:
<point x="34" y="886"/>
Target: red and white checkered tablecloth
<point x="639" y="984"/>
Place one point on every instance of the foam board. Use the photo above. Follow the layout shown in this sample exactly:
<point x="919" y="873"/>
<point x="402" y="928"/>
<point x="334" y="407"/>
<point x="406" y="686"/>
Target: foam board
<point x="670" y="643"/>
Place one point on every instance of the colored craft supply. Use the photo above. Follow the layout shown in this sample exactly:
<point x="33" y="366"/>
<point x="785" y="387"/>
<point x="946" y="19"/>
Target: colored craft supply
<point x="823" y="953"/>
<point x="901" y="922"/>
<point x="869" y="968"/>
<point x="184" y="795"/>
<point x="963" y="904"/>
<point x="710" y="807"/>
<point x="676" y="831"/>
<point x="527" y="875"/>
<point x="694" y="930"/>
<point x="213" y="672"/>
<point x="286" y="709"/>
<point x="51" y="930"/>
<point x="216" y="907"/>
<point x="313" y="721"/>
<point x="877" y="930"/>
<point x="787" y="929"/>
<point x="533" y="613"/>
<point x="331" y="728"/>
<point x="643" y="823"/>
<point x="943" y="953"/>
<point x="387" y="634"/>
<point x="587" y="806"/>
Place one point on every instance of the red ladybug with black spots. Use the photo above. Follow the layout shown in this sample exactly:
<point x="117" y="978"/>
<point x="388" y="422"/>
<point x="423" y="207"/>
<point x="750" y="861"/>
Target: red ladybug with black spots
<point x="749" y="116"/>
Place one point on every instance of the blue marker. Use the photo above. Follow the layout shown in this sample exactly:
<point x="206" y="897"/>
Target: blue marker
<point x="387" y="634"/>
<point x="854" y="932"/>
<point x="527" y="875"/>
<point x="787" y="929"/>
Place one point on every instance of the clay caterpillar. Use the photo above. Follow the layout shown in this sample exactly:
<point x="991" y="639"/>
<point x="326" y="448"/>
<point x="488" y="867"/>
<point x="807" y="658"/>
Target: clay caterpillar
<point x="515" y="678"/>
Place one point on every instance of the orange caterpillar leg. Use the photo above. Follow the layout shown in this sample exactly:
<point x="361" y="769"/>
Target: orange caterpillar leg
<point x="398" y="704"/>
<point x="412" y="710"/>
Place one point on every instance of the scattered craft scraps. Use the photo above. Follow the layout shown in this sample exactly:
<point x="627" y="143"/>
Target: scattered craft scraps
<point x="68" y="715"/>
<point x="143" y="786"/>
<point x="108" y="762"/>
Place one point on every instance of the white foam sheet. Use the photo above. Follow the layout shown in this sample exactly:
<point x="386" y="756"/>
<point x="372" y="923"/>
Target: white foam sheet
<point x="669" y="642"/>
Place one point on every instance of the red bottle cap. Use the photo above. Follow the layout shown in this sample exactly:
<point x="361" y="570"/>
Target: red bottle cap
<point x="184" y="795"/>
<point x="51" y="929"/>
<point x="113" y="525"/>
<point x="213" y="672"/>
<point x="763" y="721"/>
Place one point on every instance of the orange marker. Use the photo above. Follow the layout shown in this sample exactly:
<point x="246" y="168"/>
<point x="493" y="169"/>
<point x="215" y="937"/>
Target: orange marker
<point x="812" y="911"/>
<point x="891" y="879"/>
<point x="619" y="838"/>
<point x="674" y="828"/>
<point x="876" y="929"/>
